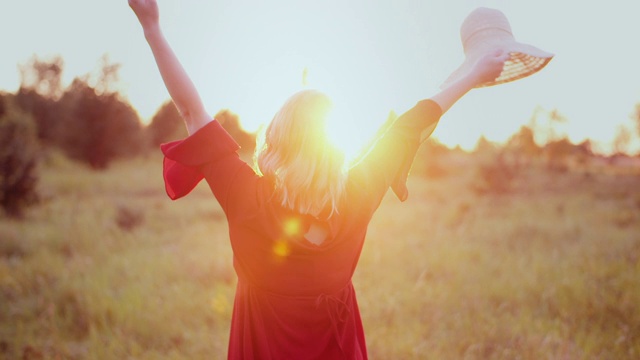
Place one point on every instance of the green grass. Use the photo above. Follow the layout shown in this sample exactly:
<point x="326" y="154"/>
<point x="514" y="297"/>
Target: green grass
<point x="107" y="267"/>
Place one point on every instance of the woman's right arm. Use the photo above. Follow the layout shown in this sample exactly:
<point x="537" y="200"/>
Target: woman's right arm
<point x="180" y="87"/>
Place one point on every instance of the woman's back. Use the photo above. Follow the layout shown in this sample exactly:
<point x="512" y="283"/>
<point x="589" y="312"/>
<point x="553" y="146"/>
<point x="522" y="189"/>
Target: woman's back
<point x="294" y="297"/>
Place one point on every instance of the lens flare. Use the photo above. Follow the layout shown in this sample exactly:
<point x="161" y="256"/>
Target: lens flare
<point x="281" y="248"/>
<point x="292" y="227"/>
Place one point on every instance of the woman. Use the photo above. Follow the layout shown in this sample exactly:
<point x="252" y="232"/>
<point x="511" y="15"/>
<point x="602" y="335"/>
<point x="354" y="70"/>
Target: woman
<point x="298" y="223"/>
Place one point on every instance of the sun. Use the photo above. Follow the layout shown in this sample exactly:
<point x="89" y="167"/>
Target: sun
<point x="353" y="126"/>
<point x="355" y="116"/>
<point x="348" y="127"/>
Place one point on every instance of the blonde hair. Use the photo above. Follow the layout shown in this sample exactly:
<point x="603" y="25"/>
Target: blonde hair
<point x="307" y="169"/>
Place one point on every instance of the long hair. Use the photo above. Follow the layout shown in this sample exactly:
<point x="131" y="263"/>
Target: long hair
<point x="295" y="152"/>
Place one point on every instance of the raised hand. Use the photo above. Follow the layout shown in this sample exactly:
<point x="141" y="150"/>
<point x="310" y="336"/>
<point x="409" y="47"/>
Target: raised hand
<point x="485" y="70"/>
<point x="489" y="67"/>
<point x="180" y="87"/>
<point x="147" y="12"/>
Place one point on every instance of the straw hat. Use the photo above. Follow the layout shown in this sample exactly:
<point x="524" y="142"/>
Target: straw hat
<point x="487" y="30"/>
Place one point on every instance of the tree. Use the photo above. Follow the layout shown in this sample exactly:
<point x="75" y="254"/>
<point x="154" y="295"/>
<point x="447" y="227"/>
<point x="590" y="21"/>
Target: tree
<point x="107" y="76"/>
<point x="522" y="147"/>
<point x="43" y="77"/>
<point x="18" y="159"/>
<point x="88" y="120"/>
<point x="635" y="116"/>
<point x="166" y="125"/>
<point x="484" y="146"/>
<point x="547" y="131"/>
<point x="558" y="153"/>
<point x="622" y="139"/>
<point x="523" y="142"/>
<point x="40" y="88"/>
<point x="99" y="127"/>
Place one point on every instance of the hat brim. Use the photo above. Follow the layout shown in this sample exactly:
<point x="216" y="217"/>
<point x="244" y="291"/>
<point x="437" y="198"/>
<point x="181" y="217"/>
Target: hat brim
<point x="524" y="60"/>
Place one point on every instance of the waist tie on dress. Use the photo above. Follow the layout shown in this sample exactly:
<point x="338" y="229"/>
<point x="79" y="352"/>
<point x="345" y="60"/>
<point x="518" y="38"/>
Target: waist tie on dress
<point x="338" y="312"/>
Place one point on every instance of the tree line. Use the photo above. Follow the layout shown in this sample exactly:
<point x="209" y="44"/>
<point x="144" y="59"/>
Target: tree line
<point x="88" y="121"/>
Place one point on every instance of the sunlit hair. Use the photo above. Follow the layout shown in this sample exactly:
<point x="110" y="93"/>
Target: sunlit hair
<point x="294" y="150"/>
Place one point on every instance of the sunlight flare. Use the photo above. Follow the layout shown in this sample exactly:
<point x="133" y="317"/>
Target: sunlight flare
<point x="344" y="131"/>
<point x="354" y="117"/>
<point x="281" y="248"/>
<point x="292" y="227"/>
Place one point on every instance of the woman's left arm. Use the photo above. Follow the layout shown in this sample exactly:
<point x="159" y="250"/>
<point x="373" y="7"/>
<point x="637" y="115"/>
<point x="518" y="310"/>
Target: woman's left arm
<point x="392" y="155"/>
<point x="486" y="69"/>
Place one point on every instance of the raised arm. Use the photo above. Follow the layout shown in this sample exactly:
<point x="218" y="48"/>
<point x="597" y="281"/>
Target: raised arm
<point x="486" y="69"/>
<point x="180" y="87"/>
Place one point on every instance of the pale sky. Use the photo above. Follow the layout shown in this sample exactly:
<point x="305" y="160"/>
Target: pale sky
<point x="377" y="55"/>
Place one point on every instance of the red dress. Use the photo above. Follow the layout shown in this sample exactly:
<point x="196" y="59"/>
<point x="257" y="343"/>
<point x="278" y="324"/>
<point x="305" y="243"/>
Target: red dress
<point x="294" y="299"/>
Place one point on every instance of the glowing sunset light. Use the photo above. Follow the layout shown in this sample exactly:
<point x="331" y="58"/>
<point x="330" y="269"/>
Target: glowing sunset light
<point x="357" y="109"/>
<point x="349" y="131"/>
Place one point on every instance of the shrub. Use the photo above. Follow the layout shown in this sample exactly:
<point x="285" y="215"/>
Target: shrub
<point x="99" y="127"/>
<point x="18" y="159"/>
<point x="166" y="125"/>
<point x="45" y="113"/>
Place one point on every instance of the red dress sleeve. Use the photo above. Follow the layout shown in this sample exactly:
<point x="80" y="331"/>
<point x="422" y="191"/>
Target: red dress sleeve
<point x="183" y="159"/>
<point x="410" y="127"/>
<point x="389" y="161"/>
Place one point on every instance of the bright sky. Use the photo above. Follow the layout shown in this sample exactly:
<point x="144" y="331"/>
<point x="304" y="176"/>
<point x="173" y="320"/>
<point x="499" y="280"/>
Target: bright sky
<point x="376" y="55"/>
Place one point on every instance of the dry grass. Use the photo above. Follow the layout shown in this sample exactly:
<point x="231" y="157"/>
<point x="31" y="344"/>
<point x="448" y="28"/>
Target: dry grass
<point x="109" y="268"/>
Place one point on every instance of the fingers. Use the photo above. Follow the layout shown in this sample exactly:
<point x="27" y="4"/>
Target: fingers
<point x="140" y="4"/>
<point x="146" y="11"/>
<point x="134" y="4"/>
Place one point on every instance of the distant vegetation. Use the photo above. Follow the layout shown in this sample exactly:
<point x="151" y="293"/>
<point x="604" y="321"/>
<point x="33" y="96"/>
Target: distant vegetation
<point x="87" y="121"/>
<point x="90" y="122"/>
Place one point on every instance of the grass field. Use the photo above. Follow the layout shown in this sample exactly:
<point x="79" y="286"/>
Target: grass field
<point x="107" y="267"/>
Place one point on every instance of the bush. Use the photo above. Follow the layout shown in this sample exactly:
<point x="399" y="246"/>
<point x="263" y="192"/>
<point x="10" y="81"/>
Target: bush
<point x="166" y="125"/>
<point x="45" y="113"/>
<point x="18" y="159"/>
<point x="99" y="127"/>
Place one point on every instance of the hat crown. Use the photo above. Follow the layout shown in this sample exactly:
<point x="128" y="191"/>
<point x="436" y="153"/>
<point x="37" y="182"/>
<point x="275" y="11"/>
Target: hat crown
<point x="486" y="30"/>
<point x="482" y="19"/>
